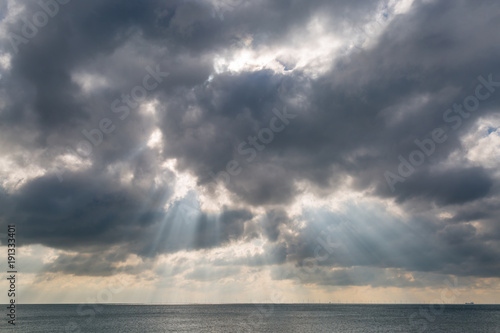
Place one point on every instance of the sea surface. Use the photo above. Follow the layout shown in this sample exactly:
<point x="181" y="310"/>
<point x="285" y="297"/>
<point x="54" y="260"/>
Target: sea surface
<point x="276" y="318"/>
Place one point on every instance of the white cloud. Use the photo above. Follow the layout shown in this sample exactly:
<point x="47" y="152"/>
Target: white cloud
<point x="90" y="82"/>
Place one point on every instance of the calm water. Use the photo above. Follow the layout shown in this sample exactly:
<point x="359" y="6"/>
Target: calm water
<point x="256" y="318"/>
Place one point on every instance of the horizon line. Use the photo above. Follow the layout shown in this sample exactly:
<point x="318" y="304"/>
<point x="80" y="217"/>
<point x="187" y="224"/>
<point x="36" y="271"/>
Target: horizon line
<point x="255" y="303"/>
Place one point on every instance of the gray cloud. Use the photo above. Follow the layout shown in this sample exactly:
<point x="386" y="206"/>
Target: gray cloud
<point x="353" y="121"/>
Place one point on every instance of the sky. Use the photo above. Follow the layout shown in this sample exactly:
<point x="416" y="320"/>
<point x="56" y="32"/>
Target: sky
<point x="230" y="151"/>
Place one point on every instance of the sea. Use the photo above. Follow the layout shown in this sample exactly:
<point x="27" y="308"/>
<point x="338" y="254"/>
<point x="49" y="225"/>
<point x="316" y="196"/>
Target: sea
<point x="234" y="318"/>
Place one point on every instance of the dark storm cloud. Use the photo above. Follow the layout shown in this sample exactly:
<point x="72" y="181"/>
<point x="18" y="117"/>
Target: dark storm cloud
<point x="446" y="188"/>
<point x="353" y="120"/>
<point x="84" y="265"/>
<point x="229" y="225"/>
<point x="274" y="218"/>
<point x="92" y="213"/>
<point x="85" y="210"/>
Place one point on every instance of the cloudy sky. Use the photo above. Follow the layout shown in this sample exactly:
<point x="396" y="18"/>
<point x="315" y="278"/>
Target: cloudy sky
<point x="251" y="151"/>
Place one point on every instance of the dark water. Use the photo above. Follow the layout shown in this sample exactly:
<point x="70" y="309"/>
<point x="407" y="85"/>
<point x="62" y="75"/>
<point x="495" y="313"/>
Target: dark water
<point x="255" y="318"/>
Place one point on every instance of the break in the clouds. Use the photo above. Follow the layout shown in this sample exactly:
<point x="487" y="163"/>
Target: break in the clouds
<point x="219" y="144"/>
